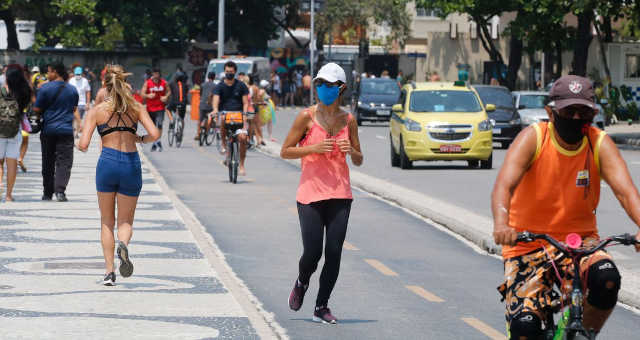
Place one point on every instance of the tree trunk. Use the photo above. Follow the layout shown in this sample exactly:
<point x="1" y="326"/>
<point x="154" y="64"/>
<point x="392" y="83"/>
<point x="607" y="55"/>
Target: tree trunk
<point x="559" y="64"/>
<point x="581" y="49"/>
<point x="515" y="60"/>
<point x="10" y="23"/>
<point x="608" y="30"/>
<point x="602" y="54"/>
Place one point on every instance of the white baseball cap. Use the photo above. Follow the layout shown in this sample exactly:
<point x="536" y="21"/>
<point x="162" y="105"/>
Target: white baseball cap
<point x="332" y="73"/>
<point x="35" y="69"/>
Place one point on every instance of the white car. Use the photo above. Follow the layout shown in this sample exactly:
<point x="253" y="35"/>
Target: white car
<point x="530" y="106"/>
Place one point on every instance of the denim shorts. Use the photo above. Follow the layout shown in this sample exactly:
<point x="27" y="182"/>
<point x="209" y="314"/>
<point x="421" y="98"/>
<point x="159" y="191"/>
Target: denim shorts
<point x="119" y="172"/>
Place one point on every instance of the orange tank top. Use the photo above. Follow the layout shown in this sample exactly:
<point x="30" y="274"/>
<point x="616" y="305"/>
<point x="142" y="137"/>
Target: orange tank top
<point x="324" y="176"/>
<point x="560" y="191"/>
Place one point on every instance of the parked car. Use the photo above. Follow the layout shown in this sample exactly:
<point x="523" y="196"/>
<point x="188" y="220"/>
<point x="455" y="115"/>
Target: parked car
<point x="440" y="121"/>
<point x="373" y="99"/>
<point x="530" y="106"/>
<point x="505" y="118"/>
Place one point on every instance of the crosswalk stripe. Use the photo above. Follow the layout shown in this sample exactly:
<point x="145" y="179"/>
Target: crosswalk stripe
<point x="484" y="329"/>
<point x="425" y="294"/>
<point x="349" y="246"/>
<point x="381" y="267"/>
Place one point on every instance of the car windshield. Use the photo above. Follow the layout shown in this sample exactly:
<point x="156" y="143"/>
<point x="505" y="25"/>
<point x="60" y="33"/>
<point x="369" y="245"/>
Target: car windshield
<point x="380" y="87"/>
<point x="444" y="101"/>
<point x="533" y="101"/>
<point x="219" y="68"/>
<point x="495" y="95"/>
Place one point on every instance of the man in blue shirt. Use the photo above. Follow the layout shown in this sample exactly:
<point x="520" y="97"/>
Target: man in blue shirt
<point x="57" y="102"/>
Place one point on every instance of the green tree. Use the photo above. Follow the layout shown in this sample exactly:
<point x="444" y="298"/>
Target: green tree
<point x="364" y="13"/>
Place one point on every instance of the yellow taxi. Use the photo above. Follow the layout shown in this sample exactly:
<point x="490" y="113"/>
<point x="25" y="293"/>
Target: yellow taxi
<point x="441" y="121"/>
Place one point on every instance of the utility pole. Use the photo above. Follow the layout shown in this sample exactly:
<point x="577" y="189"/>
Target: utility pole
<point x="311" y="48"/>
<point x="220" y="28"/>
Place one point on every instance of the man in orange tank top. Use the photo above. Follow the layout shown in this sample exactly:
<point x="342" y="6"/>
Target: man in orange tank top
<point x="550" y="184"/>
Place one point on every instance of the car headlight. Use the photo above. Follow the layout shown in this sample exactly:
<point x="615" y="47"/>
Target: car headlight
<point x="485" y="125"/>
<point x="412" y="125"/>
<point x="359" y="103"/>
<point x="526" y="120"/>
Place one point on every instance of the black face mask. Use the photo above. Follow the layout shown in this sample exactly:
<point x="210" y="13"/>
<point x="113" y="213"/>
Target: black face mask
<point x="229" y="76"/>
<point x="570" y="130"/>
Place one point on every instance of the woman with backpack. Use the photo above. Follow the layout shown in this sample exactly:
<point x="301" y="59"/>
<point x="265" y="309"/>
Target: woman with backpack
<point x="15" y="95"/>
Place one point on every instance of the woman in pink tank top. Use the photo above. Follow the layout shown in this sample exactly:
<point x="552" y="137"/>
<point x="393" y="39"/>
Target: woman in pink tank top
<point x="322" y="136"/>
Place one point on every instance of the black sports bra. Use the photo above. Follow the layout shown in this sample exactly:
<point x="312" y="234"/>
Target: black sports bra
<point x="121" y="124"/>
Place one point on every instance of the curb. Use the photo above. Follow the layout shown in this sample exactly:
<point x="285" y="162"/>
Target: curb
<point x="471" y="226"/>
<point x="632" y="139"/>
<point x="263" y="321"/>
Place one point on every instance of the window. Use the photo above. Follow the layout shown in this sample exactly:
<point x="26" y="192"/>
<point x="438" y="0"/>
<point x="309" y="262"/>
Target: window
<point x="533" y="101"/>
<point x="497" y="96"/>
<point x="421" y="12"/>
<point x="632" y="66"/>
<point x="379" y="87"/>
<point x="444" y="101"/>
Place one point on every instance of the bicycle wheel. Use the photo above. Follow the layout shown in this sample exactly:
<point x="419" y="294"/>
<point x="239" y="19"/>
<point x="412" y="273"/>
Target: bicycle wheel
<point x="179" y="131"/>
<point x="218" y="141"/>
<point x="203" y="135"/>
<point x="210" y="136"/>
<point x="235" y="161"/>
<point x="230" y="161"/>
<point x="171" y="134"/>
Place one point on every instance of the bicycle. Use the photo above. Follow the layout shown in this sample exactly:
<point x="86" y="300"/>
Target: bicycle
<point x="210" y="134"/>
<point x="176" y="129"/>
<point x="234" y="122"/>
<point x="571" y="323"/>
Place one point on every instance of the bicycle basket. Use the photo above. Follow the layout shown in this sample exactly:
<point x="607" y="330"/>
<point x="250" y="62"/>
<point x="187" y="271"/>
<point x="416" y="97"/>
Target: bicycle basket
<point x="233" y="118"/>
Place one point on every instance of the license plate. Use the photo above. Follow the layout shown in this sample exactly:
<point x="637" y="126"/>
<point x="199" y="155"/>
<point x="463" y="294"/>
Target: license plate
<point x="450" y="148"/>
<point x="497" y="131"/>
<point x="383" y="112"/>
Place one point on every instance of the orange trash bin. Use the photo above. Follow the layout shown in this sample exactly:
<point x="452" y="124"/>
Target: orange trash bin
<point x="195" y="104"/>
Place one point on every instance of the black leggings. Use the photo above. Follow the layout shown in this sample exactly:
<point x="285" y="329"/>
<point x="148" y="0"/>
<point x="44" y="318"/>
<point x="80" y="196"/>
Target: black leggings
<point x="316" y="219"/>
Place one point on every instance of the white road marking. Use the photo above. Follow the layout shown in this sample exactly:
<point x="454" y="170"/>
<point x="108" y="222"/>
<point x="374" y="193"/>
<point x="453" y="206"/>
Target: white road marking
<point x="381" y="137"/>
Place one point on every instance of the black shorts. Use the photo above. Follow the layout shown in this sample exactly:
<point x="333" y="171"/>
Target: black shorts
<point x="157" y="117"/>
<point x="204" y="115"/>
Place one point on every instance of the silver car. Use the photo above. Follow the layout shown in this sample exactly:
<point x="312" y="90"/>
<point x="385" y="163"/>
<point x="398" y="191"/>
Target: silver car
<point x="530" y="105"/>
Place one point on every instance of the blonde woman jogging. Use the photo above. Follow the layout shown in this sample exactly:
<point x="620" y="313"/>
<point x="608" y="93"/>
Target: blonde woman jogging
<point x="118" y="173"/>
<point x="322" y="136"/>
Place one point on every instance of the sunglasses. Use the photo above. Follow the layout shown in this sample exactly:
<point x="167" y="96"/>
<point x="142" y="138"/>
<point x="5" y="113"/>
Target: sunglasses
<point x="321" y="82"/>
<point x="584" y="112"/>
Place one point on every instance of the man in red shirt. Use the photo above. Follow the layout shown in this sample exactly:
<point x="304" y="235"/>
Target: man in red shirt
<point x="156" y="92"/>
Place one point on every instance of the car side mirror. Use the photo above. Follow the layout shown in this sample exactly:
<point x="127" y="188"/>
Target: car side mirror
<point x="521" y="107"/>
<point x="490" y="107"/>
<point x="397" y="108"/>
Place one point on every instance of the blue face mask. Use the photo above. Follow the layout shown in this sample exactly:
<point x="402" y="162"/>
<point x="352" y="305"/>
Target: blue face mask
<point x="327" y="94"/>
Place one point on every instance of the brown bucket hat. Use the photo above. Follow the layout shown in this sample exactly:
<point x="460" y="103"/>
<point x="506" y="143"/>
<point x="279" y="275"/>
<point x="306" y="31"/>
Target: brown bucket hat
<point x="572" y="90"/>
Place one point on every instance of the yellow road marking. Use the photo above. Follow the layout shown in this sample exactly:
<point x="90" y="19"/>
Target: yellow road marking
<point x="484" y="329"/>
<point x="425" y="294"/>
<point x="381" y="267"/>
<point x="349" y="246"/>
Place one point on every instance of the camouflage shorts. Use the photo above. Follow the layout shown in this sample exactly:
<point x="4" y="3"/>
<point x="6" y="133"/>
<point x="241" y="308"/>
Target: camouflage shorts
<point x="530" y="279"/>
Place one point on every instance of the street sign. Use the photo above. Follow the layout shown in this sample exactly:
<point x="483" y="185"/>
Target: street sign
<point x="305" y="5"/>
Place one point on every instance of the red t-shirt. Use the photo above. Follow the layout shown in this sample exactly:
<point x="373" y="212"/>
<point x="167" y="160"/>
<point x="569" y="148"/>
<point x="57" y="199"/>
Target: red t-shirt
<point x="155" y="104"/>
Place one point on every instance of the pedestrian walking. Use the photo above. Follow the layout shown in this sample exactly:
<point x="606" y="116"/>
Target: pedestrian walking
<point x="206" y="100"/>
<point x="56" y="102"/>
<point x="118" y="173"/>
<point x="322" y="136"/>
<point x="84" y="93"/>
<point x="157" y="93"/>
<point x="15" y="95"/>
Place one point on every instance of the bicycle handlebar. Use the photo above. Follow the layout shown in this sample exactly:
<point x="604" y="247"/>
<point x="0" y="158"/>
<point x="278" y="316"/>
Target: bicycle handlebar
<point x="624" y="239"/>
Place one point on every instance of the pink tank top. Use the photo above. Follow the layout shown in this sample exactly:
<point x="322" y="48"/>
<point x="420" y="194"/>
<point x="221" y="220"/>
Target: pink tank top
<point x="324" y="176"/>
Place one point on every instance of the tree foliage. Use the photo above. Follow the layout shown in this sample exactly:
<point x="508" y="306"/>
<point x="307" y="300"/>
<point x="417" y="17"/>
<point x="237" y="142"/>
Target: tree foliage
<point x="149" y="24"/>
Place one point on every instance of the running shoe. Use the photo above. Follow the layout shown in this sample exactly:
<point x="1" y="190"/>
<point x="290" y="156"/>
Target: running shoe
<point x="159" y="147"/>
<point x="126" y="267"/>
<point x="109" y="279"/>
<point x="153" y="147"/>
<point x="297" y="295"/>
<point x="323" y="314"/>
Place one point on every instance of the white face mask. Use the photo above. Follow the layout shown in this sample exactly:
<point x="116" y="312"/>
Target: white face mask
<point x="78" y="77"/>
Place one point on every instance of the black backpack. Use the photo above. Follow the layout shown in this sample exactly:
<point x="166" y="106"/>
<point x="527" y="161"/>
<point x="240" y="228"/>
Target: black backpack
<point x="10" y="115"/>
